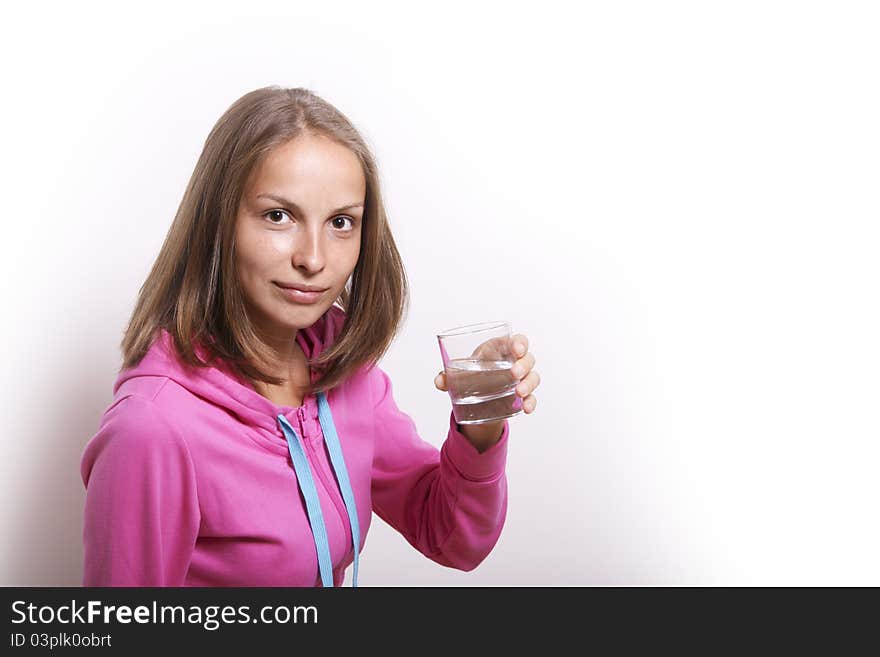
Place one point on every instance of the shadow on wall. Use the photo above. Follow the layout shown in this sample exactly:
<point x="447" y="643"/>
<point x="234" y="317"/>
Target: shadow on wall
<point x="47" y="548"/>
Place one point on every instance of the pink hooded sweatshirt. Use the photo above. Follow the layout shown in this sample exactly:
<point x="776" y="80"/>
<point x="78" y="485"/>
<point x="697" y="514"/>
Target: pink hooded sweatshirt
<point x="189" y="480"/>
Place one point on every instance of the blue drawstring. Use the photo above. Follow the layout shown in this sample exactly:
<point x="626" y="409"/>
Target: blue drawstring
<point x="310" y="492"/>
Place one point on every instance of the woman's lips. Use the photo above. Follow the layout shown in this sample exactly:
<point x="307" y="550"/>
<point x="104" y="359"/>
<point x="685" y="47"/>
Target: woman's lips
<point x="298" y="296"/>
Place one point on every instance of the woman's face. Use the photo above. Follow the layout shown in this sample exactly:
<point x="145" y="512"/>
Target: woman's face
<point x="298" y="223"/>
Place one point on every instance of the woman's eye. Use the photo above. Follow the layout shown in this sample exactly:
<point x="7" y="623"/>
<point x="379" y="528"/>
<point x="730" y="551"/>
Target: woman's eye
<point x="343" y="219"/>
<point x="273" y="214"/>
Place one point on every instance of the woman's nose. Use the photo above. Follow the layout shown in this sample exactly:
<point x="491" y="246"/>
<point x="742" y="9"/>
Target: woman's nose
<point x="308" y="252"/>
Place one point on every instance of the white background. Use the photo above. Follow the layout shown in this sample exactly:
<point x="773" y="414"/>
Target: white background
<point x="677" y="202"/>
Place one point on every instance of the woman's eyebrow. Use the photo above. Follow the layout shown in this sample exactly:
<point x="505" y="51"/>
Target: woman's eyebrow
<point x="291" y="204"/>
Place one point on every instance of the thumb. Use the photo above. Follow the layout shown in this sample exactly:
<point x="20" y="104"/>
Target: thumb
<point x="440" y="381"/>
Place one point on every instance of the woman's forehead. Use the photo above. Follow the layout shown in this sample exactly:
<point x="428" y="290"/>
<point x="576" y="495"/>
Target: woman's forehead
<point x="309" y="165"/>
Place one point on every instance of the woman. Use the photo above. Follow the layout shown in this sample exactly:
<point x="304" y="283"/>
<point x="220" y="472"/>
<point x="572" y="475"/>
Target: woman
<point x="252" y="434"/>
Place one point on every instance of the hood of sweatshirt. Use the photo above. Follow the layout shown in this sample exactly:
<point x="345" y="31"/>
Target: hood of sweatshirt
<point x="220" y="385"/>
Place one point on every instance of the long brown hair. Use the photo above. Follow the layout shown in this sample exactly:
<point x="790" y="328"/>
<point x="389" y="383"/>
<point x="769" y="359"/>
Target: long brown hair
<point x="192" y="290"/>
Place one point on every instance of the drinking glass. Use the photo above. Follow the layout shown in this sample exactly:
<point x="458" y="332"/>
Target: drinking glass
<point x="477" y="359"/>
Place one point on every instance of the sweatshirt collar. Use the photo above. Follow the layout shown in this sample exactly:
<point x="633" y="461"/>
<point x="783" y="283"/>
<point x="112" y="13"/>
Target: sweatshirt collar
<point x="221" y="386"/>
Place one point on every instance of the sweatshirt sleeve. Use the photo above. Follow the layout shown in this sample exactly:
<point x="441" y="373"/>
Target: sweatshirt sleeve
<point x="141" y="516"/>
<point x="450" y="504"/>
